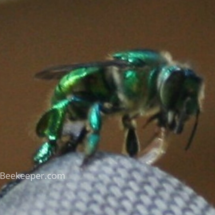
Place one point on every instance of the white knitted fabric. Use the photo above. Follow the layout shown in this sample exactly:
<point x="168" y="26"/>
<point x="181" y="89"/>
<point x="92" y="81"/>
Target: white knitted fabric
<point x="109" y="185"/>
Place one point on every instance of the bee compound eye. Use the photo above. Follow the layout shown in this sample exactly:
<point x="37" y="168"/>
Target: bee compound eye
<point x="170" y="84"/>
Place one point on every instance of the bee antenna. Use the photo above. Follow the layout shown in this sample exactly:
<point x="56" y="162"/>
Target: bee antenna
<point x="193" y="131"/>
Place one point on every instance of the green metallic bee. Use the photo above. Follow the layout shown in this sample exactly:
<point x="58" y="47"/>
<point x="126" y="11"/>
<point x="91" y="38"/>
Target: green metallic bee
<point x="129" y="84"/>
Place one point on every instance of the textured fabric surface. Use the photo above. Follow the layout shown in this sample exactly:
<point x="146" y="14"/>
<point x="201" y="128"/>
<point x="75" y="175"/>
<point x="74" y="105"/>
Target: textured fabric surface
<point x="110" y="184"/>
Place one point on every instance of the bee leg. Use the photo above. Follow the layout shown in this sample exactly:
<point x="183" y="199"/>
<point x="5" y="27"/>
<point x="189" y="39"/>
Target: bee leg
<point x="156" y="148"/>
<point x="131" y="145"/>
<point x="151" y="119"/>
<point x="72" y="144"/>
<point x="50" y="126"/>
<point x="45" y="152"/>
<point x="95" y="124"/>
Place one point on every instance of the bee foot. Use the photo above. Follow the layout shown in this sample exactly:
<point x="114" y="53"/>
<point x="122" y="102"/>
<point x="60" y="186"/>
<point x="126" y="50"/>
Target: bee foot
<point x="86" y="161"/>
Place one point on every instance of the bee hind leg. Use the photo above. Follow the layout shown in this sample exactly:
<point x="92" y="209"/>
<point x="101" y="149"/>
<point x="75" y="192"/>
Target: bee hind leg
<point x="45" y="152"/>
<point x="50" y="127"/>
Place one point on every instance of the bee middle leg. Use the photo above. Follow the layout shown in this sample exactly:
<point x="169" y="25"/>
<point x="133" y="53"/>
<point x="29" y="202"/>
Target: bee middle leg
<point x="93" y="137"/>
<point x="131" y="145"/>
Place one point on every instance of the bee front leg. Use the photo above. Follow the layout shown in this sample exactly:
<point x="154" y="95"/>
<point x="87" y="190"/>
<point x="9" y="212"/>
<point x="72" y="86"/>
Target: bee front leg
<point x="95" y="124"/>
<point x="157" y="147"/>
<point x="131" y="145"/>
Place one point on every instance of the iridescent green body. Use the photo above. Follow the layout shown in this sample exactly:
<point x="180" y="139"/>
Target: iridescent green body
<point x="130" y="84"/>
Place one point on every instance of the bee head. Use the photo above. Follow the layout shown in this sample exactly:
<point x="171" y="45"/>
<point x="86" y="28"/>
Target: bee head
<point x="180" y="91"/>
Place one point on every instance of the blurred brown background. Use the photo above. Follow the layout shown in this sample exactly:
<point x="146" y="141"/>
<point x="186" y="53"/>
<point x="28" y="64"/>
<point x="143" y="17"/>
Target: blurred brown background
<point x="37" y="34"/>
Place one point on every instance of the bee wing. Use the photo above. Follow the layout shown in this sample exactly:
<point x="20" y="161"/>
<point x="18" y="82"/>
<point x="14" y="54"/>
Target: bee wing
<point x="57" y="72"/>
